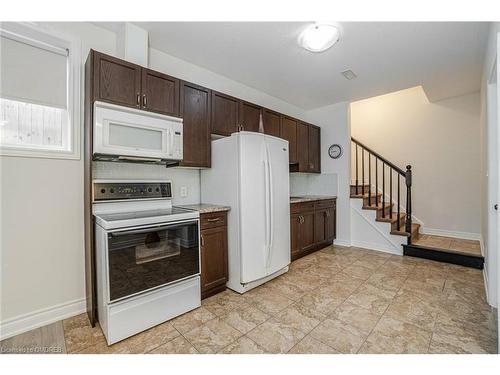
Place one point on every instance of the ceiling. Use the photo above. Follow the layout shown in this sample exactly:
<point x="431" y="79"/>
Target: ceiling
<point x="444" y="57"/>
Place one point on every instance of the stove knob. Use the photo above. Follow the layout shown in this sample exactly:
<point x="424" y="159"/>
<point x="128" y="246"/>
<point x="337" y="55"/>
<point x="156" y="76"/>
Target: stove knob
<point x="111" y="190"/>
<point x="157" y="190"/>
<point x="150" y="190"/>
<point x="103" y="191"/>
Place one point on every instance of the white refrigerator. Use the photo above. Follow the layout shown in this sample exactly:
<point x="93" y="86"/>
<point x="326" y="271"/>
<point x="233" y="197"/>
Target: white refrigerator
<point x="250" y="174"/>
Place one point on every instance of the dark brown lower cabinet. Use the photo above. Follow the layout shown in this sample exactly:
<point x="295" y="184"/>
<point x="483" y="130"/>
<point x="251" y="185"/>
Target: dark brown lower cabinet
<point x="312" y="226"/>
<point x="214" y="271"/>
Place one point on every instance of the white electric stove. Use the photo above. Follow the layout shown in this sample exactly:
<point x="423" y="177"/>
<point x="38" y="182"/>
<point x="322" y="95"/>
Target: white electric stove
<point x="147" y="256"/>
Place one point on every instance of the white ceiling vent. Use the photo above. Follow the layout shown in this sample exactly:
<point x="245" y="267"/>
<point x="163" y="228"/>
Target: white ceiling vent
<point x="349" y="74"/>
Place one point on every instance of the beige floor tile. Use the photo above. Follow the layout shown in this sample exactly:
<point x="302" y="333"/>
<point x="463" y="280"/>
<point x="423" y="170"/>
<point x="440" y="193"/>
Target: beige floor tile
<point x="390" y="336"/>
<point x="469" y="292"/>
<point x="245" y="318"/>
<point x="409" y="308"/>
<point x="386" y="281"/>
<point x="242" y="346"/>
<point x="179" y="345"/>
<point x="300" y="317"/>
<point x="359" y="319"/>
<point x="371" y="298"/>
<point x="359" y="270"/>
<point x="339" y="335"/>
<point x="287" y="288"/>
<point x="79" y="334"/>
<point x="423" y="289"/>
<point x="192" y="319"/>
<point x="224" y="302"/>
<point x="371" y="262"/>
<point x="275" y="337"/>
<point x="212" y="336"/>
<point x="324" y="303"/>
<point x="270" y="303"/>
<point x="309" y="345"/>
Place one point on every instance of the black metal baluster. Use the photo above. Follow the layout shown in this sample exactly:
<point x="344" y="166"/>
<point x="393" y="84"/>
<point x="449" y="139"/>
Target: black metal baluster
<point x="376" y="181"/>
<point x="399" y="202"/>
<point x="369" y="179"/>
<point x="390" y="190"/>
<point x="356" y="161"/>
<point x="363" y="171"/>
<point x="383" y="189"/>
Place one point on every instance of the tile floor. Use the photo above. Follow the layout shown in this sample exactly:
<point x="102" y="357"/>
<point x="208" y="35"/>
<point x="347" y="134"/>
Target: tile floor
<point x="468" y="247"/>
<point x="337" y="300"/>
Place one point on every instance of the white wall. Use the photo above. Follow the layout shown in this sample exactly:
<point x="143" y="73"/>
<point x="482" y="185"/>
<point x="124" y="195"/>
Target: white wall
<point x="490" y="164"/>
<point x="335" y="128"/>
<point x="441" y="140"/>
<point x="42" y="256"/>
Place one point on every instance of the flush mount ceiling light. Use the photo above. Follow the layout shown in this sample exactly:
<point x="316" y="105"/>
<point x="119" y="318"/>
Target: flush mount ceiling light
<point x="319" y="37"/>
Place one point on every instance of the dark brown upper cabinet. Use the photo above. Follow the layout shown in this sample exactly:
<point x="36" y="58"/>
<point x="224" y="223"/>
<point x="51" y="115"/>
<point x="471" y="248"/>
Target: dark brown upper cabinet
<point x="160" y="93"/>
<point x="249" y="116"/>
<point x="224" y="114"/>
<point x="303" y="146"/>
<point x="314" y="149"/>
<point x="289" y="132"/>
<point x="272" y="122"/>
<point x="195" y="111"/>
<point x="116" y="81"/>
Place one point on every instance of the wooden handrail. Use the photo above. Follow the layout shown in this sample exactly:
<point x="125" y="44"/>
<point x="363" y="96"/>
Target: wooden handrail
<point x="393" y="166"/>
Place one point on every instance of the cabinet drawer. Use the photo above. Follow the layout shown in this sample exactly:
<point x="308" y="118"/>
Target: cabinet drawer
<point x="325" y="204"/>
<point x="213" y="220"/>
<point x="301" y="207"/>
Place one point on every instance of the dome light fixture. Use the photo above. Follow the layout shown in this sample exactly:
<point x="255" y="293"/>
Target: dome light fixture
<point x="319" y="36"/>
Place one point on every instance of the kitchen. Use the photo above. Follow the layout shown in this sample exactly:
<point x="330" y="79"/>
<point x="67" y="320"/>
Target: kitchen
<point x="191" y="213"/>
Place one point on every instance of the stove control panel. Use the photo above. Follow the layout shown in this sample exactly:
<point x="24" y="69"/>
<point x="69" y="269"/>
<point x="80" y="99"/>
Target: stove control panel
<point x="110" y="191"/>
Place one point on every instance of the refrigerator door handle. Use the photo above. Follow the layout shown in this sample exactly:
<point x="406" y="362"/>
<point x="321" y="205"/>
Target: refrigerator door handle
<point x="271" y="208"/>
<point x="267" y="219"/>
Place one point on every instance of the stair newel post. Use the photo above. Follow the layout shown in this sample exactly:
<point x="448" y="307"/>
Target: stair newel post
<point x="356" y="160"/>
<point x="369" y="179"/>
<point x="408" y="201"/>
<point x="363" y="171"/>
<point x="383" y="189"/>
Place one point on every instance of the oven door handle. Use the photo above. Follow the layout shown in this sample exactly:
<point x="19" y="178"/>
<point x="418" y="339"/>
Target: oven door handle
<point x="140" y="231"/>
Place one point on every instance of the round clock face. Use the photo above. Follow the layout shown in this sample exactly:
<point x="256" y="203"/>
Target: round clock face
<point x="335" y="151"/>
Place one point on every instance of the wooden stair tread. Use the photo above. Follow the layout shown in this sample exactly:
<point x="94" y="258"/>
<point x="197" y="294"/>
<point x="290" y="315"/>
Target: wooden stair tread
<point x="365" y="195"/>
<point x="414" y="230"/>
<point x="392" y="218"/>
<point x="377" y="207"/>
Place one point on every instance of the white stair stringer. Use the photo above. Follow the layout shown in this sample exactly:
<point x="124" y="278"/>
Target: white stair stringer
<point x="368" y="233"/>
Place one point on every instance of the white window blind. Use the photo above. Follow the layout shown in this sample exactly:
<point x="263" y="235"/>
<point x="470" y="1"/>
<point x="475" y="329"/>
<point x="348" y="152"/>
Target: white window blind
<point x="35" y="103"/>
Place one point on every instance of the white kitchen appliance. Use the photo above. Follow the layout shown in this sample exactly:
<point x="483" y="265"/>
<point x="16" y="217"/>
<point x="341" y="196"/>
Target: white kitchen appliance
<point x="147" y="256"/>
<point x="128" y="134"/>
<point x="250" y="174"/>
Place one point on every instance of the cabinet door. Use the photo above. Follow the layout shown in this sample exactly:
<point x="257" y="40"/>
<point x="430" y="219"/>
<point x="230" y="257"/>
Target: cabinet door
<point x="289" y="132"/>
<point x="307" y="231"/>
<point x="331" y="223"/>
<point x="213" y="258"/>
<point x="294" y="235"/>
<point x="160" y="93"/>
<point x="320" y="226"/>
<point x="249" y="116"/>
<point x="195" y="111"/>
<point x="272" y="122"/>
<point x="116" y="81"/>
<point x="314" y="149"/>
<point x="303" y="146"/>
<point x="224" y="114"/>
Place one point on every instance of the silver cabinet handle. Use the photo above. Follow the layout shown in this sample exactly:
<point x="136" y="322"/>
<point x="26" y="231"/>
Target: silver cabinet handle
<point x="202" y="240"/>
<point x="213" y="220"/>
<point x="138" y="100"/>
<point x="144" y="101"/>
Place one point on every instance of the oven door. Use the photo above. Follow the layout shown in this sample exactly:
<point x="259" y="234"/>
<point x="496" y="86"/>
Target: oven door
<point x="144" y="258"/>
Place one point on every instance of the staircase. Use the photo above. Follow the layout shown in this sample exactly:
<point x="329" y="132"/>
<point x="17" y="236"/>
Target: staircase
<point x="386" y="189"/>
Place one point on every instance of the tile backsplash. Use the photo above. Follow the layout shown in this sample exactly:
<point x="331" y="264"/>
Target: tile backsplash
<point x="313" y="184"/>
<point x="180" y="177"/>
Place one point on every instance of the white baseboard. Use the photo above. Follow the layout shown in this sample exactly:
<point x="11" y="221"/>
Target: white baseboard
<point x="342" y="243"/>
<point x="450" y="233"/>
<point x="39" y="318"/>
<point x="377" y="247"/>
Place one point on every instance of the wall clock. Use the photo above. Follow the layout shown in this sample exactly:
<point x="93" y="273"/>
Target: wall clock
<point x="335" y="151"/>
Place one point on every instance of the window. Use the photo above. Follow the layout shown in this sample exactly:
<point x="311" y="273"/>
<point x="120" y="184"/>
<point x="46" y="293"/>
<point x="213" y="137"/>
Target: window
<point x="39" y="94"/>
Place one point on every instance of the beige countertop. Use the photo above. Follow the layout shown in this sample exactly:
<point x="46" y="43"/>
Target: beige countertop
<point x="308" y="198"/>
<point x="204" y="208"/>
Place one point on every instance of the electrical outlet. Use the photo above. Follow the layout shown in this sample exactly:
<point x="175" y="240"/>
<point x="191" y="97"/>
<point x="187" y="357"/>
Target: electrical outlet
<point x="184" y="191"/>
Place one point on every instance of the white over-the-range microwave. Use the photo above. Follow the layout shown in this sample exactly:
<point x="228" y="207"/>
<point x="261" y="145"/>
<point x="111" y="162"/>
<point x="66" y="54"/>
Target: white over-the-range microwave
<point x="128" y="134"/>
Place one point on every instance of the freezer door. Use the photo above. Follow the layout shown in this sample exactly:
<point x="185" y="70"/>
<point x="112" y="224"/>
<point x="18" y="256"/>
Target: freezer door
<point x="254" y="206"/>
<point x="279" y="247"/>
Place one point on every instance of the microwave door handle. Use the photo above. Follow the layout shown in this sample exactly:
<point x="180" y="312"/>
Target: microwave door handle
<point x="140" y="231"/>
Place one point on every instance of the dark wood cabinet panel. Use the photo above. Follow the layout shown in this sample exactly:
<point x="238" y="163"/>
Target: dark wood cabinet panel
<point x="195" y="111"/>
<point x="224" y="119"/>
<point x="307" y="231"/>
<point x="303" y="146"/>
<point x="272" y="122"/>
<point x="319" y="226"/>
<point x="160" y="93"/>
<point x="314" y="149"/>
<point x="116" y="81"/>
<point x="288" y="131"/>
<point x="214" y="267"/>
<point x="249" y="116"/>
<point x="295" y="221"/>
<point x="331" y="224"/>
